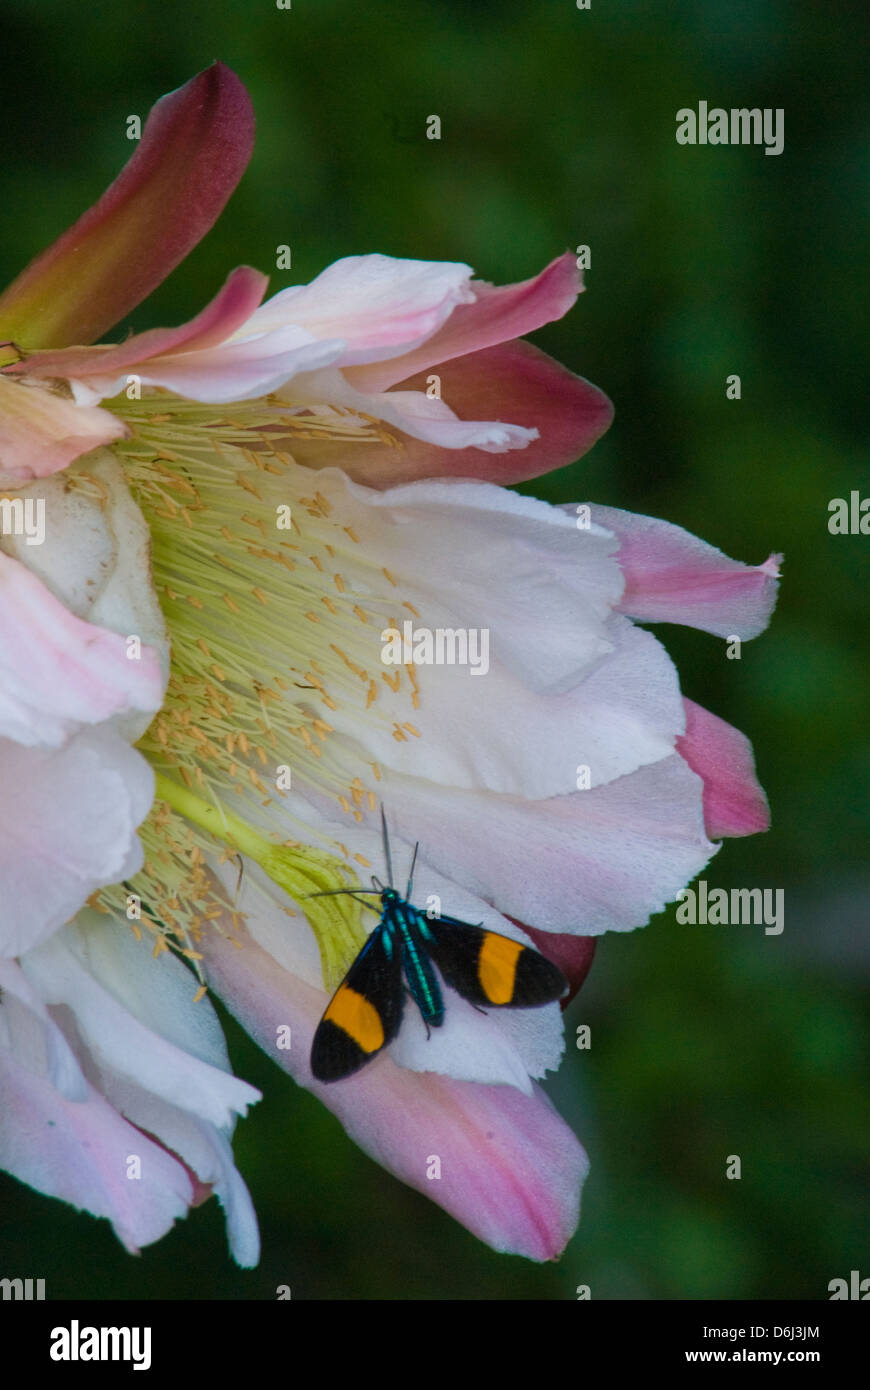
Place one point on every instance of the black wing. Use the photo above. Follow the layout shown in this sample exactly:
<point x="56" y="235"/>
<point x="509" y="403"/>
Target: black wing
<point x="489" y="969"/>
<point x="364" y="1014"/>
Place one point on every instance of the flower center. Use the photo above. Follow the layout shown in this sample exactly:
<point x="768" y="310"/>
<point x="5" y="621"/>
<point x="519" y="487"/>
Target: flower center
<point x="275" y="612"/>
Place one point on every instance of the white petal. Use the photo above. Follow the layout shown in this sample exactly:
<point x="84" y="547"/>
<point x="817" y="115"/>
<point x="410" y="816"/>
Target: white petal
<point x="32" y="1038"/>
<point x="122" y="1046"/>
<point x="157" y="992"/>
<point x="474" y="1046"/>
<point x="275" y="921"/>
<point x="380" y="305"/>
<point x="595" y="861"/>
<point x="205" y="1150"/>
<point x="96" y="560"/>
<point x="494" y="560"/>
<point x="58" y="672"/>
<point x="79" y="1151"/>
<point x="68" y="820"/>
<point x="79" y="551"/>
<point x="492" y="733"/>
<point x="241" y="371"/>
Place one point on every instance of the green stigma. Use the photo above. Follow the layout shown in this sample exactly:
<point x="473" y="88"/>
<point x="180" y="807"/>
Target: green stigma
<point x="300" y="871"/>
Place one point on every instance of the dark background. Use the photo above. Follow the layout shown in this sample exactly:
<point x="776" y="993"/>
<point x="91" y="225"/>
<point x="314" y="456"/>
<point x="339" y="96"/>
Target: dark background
<point x="558" y="129"/>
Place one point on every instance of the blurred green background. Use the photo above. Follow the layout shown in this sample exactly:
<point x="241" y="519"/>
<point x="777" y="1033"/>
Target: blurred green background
<point x="558" y="129"/>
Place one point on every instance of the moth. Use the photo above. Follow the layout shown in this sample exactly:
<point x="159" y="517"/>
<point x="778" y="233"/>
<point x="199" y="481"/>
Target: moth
<point x="401" y="955"/>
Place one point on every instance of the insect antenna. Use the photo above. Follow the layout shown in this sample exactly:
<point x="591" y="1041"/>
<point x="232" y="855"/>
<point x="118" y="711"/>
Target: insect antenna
<point x="411" y="874"/>
<point x="343" y="893"/>
<point x="387" y="848"/>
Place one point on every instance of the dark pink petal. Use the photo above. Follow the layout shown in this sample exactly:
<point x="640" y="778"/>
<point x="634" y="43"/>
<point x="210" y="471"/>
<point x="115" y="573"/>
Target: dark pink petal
<point x="672" y="577"/>
<point x="734" y="802"/>
<point x="572" y="954"/>
<point x="499" y="313"/>
<point x="194" y="149"/>
<point x="230" y="308"/>
<point x="516" y="383"/>
<point x="511" y="1169"/>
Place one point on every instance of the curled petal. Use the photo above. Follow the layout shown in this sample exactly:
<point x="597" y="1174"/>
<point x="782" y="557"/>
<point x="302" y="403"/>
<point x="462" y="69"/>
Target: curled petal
<point x="672" y="577"/>
<point x="40" y="433"/>
<point x="101" y="367"/>
<point x="511" y="1169"/>
<point x="193" y="151"/>
<point x="156" y="992"/>
<point x="126" y="1048"/>
<point x="96" y="560"/>
<point x="519" y="382"/>
<point x="498" y="313"/>
<point x="734" y="801"/>
<point x="238" y="371"/>
<point x="556" y="418"/>
<point x="413" y="412"/>
<point x="58" y="672"/>
<point x="378" y="305"/>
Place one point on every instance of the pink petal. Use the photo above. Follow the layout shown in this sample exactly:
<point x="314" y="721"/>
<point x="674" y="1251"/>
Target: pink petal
<point x="734" y="801"/>
<point x="68" y="820"/>
<point x="58" y="672"/>
<point x="498" y="314"/>
<point x="672" y="577"/>
<point x="41" y="433"/>
<point x="78" y="1151"/>
<point x="193" y="151"/>
<point x="511" y="1169"/>
<point x="515" y="382"/>
<point x="230" y="308"/>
